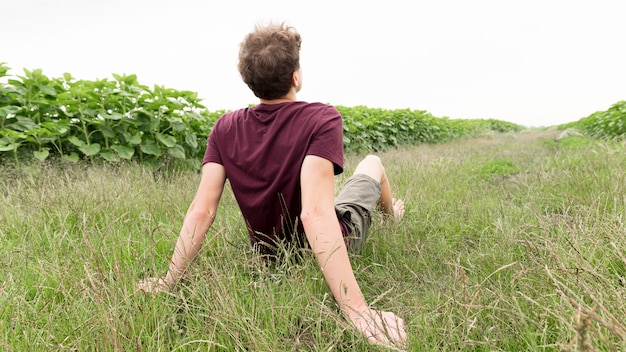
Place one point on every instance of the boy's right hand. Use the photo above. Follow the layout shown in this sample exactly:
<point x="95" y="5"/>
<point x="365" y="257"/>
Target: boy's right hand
<point x="380" y="328"/>
<point x="153" y="285"/>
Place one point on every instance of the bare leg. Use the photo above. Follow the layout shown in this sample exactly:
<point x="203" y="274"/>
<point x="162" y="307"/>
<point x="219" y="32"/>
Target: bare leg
<point x="373" y="167"/>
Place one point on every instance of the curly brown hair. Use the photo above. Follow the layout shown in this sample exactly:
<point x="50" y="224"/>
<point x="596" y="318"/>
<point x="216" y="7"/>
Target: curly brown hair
<point x="268" y="57"/>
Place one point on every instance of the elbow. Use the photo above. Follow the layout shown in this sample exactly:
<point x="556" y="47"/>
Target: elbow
<point x="308" y="218"/>
<point x="315" y="220"/>
<point x="311" y="216"/>
<point x="201" y="212"/>
<point x="199" y="217"/>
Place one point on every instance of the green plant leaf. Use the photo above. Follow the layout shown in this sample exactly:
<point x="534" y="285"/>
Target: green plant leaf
<point x="112" y="116"/>
<point x="76" y="141"/>
<point x="11" y="135"/>
<point x="132" y="122"/>
<point x="149" y="146"/>
<point x="72" y="157"/>
<point x="167" y="140"/>
<point x="177" y="124"/>
<point x="107" y="131"/>
<point x="177" y="151"/>
<point x="9" y="110"/>
<point x="24" y="124"/>
<point x="60" y="127"/>
<point x="191" y="140"/>
<point x="47" y="90"/>
<point x="41" y="155"/>
<point x="9" y="147"/>
<point x="194" y="163"/>
<point x="39" y="132"/>
<point x="127" y="79"/>
<point x="132" y="139"/>
<point x="109" y="156"/>
<point x="90" y="150"/>
<point x="124" y="152"/>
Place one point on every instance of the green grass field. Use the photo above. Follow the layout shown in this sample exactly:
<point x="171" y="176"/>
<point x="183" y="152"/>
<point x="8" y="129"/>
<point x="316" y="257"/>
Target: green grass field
<point x="510" y="243"/>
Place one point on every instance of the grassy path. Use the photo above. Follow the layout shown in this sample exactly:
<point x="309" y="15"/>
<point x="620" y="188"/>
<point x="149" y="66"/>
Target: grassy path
<point x="510" y="243"/>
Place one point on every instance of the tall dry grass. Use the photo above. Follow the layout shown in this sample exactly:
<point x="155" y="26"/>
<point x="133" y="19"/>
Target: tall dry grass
<point x="510" y="243"/>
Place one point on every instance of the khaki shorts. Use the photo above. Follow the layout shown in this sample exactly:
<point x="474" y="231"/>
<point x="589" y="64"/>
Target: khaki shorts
<point x="354" y="205"/>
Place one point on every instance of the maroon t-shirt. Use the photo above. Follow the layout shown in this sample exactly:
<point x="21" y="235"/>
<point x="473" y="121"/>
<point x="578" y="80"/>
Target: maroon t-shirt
<point x="262" y="149"/>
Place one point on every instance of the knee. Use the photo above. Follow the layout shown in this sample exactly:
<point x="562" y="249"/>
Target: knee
<point x="373" y="160"/>
<point x="371" y="165"/>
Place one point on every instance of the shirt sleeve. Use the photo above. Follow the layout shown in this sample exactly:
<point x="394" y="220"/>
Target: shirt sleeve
<point x="327" y="142"/>
<point x="212" y="153"/>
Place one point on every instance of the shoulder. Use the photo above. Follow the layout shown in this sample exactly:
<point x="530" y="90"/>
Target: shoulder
<point x="232" y="114"/>
<point x="327" y="108"/>
<point x="322" y="112"/>
<point x="228" y="118"/>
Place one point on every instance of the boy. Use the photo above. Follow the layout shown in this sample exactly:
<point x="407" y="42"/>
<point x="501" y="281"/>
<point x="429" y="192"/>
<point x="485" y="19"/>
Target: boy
<point x="281" y="157"/>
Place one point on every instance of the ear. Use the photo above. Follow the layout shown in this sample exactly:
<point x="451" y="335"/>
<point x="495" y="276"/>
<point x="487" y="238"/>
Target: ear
<point x="296" y="79"/>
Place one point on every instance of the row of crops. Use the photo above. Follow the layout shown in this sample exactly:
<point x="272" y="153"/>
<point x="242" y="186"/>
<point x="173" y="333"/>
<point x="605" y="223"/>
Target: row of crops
<point x="608" y="124"/>
<point x="112" y="120"/>
<point x="378" y="129"/>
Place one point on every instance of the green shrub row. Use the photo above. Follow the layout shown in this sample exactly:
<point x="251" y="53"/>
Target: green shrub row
<point x="113" y="120"/>
<point x="378" y="129"/>
<point x="609" y="124"/>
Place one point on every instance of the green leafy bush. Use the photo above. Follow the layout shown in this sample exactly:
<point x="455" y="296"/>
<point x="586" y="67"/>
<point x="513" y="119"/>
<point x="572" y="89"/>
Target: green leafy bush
<point x="110" y="120"/>
<point x="609" y="124"/>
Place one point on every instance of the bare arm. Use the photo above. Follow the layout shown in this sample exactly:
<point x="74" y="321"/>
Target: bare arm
<point x="326" y="240"/>
<point x="198" y="220"/>
<point x="324" y="234"/>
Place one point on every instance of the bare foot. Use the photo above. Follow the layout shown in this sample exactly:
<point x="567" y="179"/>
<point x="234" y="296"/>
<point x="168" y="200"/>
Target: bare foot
<point x="398" y="209"/>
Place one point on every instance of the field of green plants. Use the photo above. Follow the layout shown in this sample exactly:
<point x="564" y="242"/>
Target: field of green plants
<point x="608" y="124"/>
<point x="513" y="239"/>
<point x="121" y="119"/>
<point x="109" y="120"/>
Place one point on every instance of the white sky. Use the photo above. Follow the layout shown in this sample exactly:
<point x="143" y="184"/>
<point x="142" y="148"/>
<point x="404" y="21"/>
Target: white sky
<point x="533" y="62"/>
